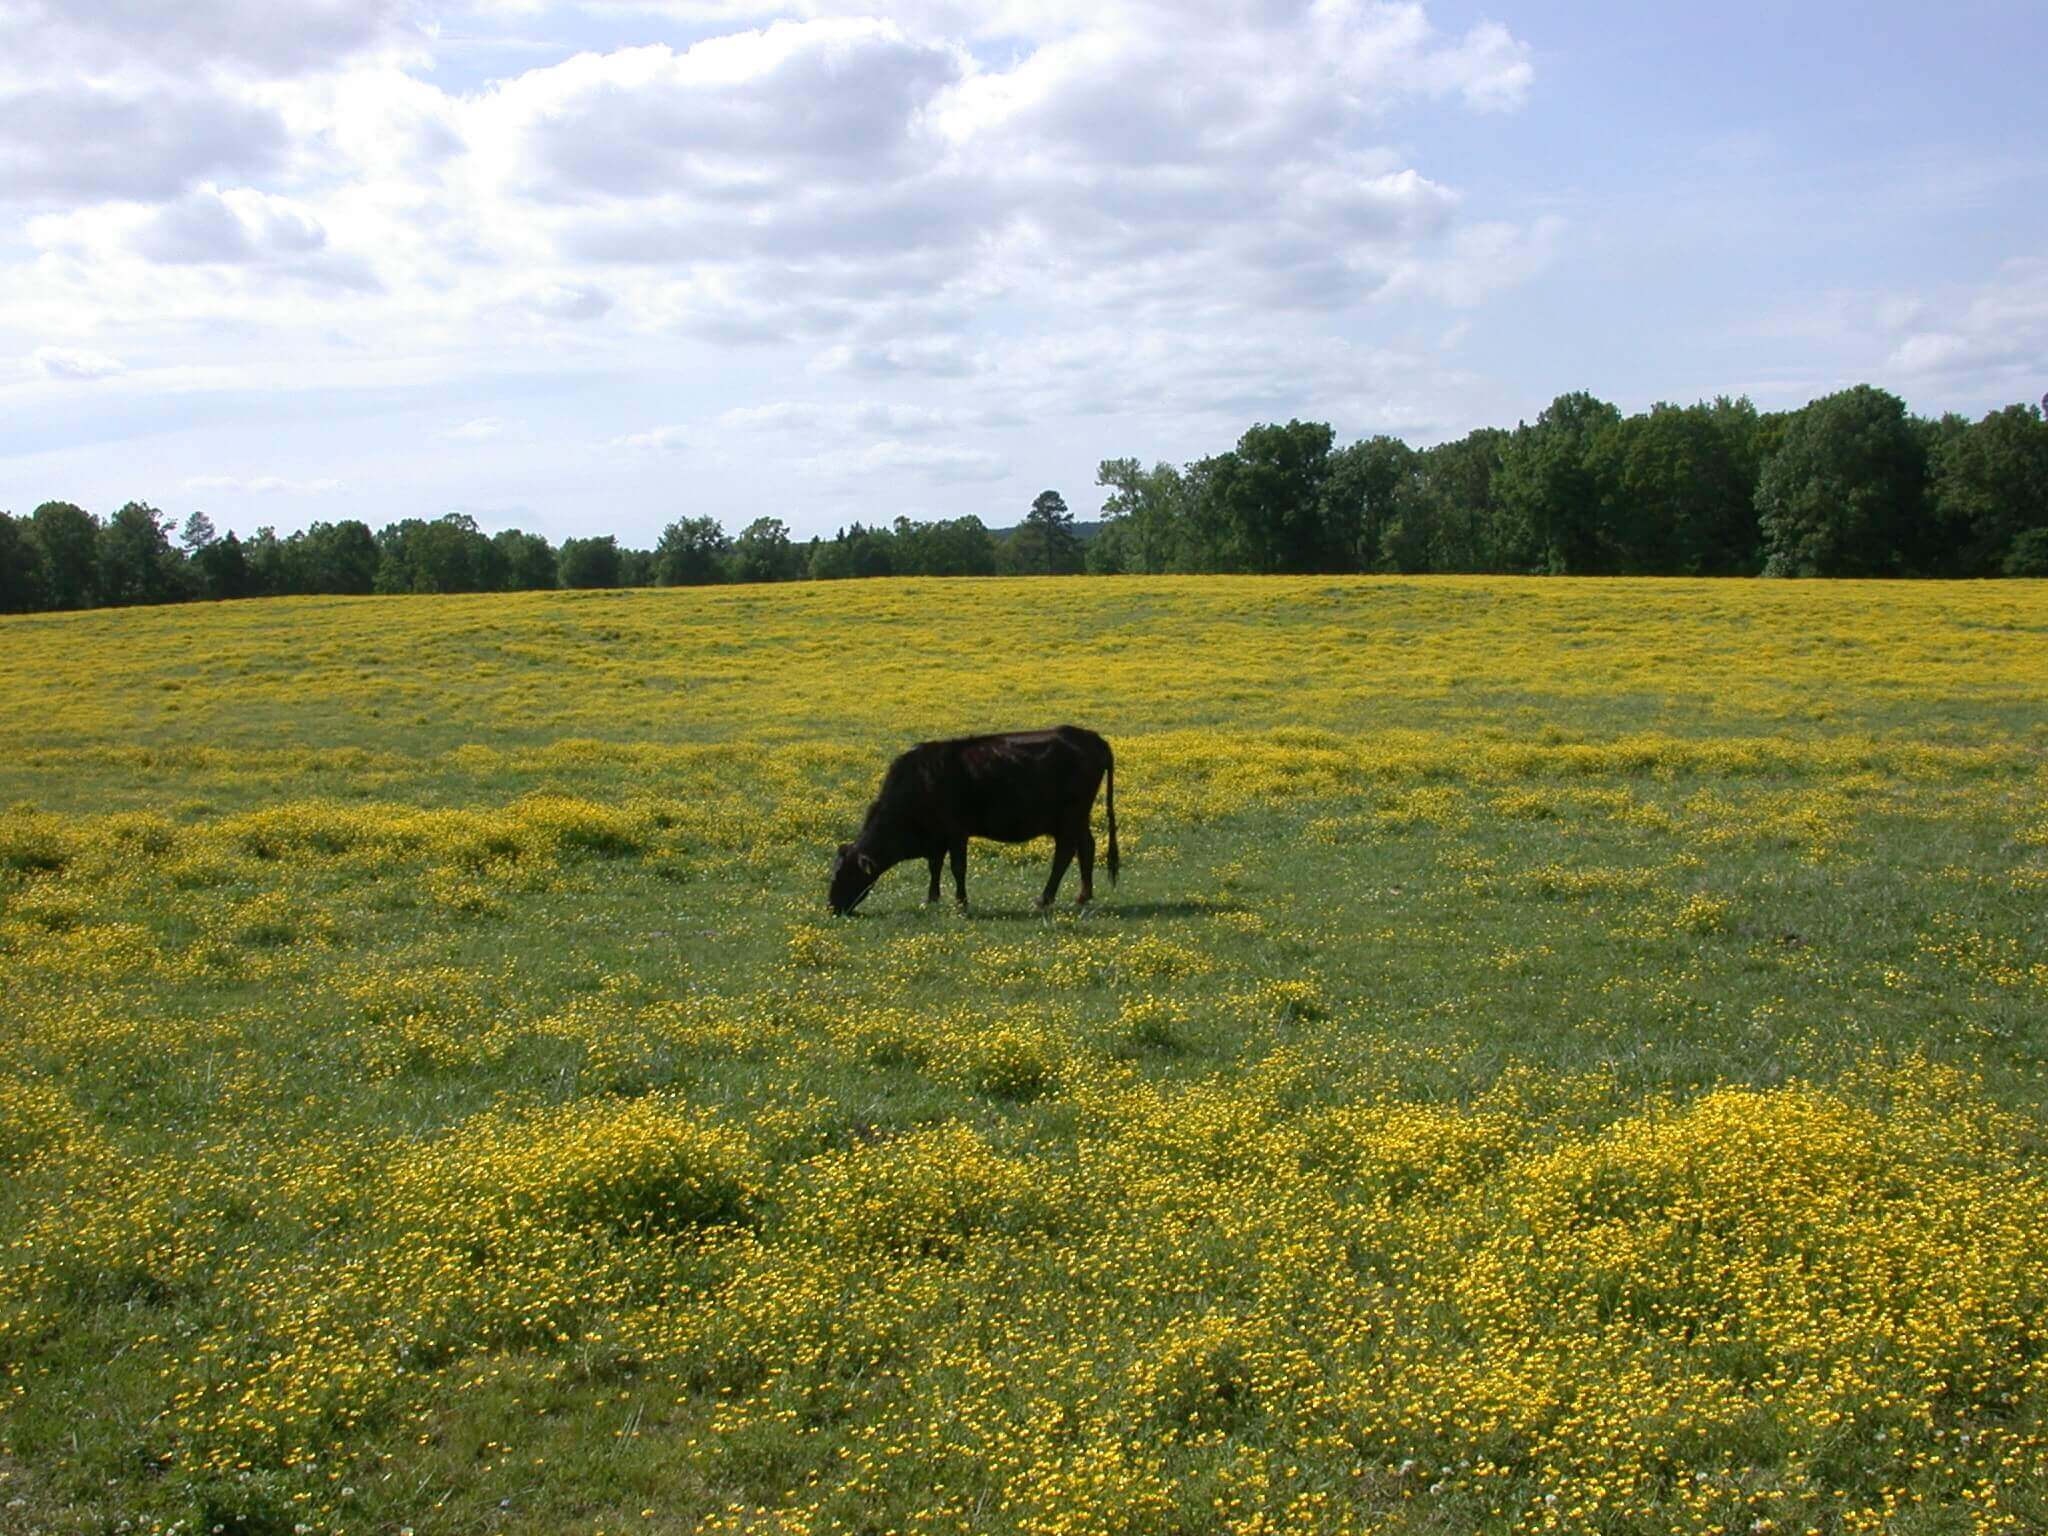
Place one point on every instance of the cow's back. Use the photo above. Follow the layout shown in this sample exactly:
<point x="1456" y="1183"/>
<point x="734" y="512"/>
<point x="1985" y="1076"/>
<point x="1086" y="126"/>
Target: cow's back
<point x="1023" y="784"/>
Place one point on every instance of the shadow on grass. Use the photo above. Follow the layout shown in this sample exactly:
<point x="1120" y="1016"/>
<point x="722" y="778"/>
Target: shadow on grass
<point x="1131" y="911"/>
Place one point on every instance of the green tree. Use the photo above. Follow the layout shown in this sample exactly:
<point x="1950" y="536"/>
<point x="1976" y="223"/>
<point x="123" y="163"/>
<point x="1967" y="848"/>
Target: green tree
<point x="1267" y="499"/>
<point x="136" y="561"/>
<point x="2028" y="555"/>
<point x="198" y="533"/>
<point x="855" y="551"/>
<point x="1842" y="495"/>
<point x="692" y="553"/>
<point x="394" y="556"/>
<point x="1115" y="551"/>
<point x="270" y="564"/>
<point x="1146" y="519"/>
<point x="68" y="539"/>
<point x="1204" y="535"/>
<point x="911" y="544"/>
<point x="1989" y="485"/>
<point x="588" y="563"/>
<point x="1112" y="552"/>
<point x="1549" y="484"/>
<point x="1121" y="478"/>
<point x="829" y="561"/>
<point x="1771" y="428"/>
<point x="1362" y="495"/>
<point x="872" y="551"/>
<point x="223" y="568"/>
<point x="528" y="560"/>
<point x="489" y="568"/>
<point x="339" y="557"/>
<point x="763" y="552"/>
<point x="1445" y="516"/>
<point x="449" y="554"/>
<point x="1679" y="498"/>
<point x="958" y="546"/>
<point x="1045" y="542"/>
<point x="1750" y="437"/>
<point x="21" y="566"/>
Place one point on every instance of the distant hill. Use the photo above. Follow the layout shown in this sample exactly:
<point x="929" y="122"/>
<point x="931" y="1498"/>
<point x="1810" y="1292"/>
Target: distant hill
<point x="1085" y="532"/>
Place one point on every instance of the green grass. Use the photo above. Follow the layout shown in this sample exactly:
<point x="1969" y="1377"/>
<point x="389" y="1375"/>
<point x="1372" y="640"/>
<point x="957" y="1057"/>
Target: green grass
<point x="1153" y="1273"/>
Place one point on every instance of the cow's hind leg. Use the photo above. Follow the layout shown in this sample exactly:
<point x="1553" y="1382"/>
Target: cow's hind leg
<point x="959" y="871"/>
<point x="1062" y="855"/>
<point x="934" y="860"/>
<point x="1084" y="845"/>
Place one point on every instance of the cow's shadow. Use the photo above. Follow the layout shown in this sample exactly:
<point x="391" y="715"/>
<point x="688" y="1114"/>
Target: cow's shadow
<point x="1109" y="911"/>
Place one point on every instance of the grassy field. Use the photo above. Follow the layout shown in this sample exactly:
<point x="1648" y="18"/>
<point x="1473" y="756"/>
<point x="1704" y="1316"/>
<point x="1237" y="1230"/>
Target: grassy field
<point x="1563" y="1056"/>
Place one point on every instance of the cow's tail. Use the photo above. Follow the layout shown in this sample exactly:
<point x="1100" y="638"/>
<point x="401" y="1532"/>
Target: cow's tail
<point x="1110" y="802"/>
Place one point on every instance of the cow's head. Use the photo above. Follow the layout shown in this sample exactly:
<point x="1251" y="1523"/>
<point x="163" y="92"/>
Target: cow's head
<point x="853" y="875"/>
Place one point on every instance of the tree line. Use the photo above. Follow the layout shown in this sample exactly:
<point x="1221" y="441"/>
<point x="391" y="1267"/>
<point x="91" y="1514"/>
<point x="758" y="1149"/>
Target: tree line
<point x="61" y="556"/>
<point x="1850" y="485"/>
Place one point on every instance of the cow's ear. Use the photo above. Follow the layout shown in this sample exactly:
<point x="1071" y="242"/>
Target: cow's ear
<point x="867" y="865"/>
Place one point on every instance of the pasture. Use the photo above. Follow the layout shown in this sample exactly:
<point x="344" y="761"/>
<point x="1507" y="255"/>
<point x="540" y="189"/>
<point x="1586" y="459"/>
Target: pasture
<point x="1563" y="1056"/>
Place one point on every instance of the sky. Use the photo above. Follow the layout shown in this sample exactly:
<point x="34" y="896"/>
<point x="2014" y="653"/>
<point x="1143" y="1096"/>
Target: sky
<point x="592" y="267"/>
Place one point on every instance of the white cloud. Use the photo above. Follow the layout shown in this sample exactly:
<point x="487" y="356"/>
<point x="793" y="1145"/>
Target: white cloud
<point x="260" y="485"/>
<point x="852" y="442"/>
<point x="936" y="463"/>
<point x="940" y="357"/>
<point x="569" y="301"/>
<point x="207" y="251"/>
<point x="676" y="438"/>
<point x="779" y="416"/>
<point x="268" y="36"/>
<point x="917" y="420"/>
<point x="950" y="222"/>
<point x="239" y="226"/>
<point x="246" y="228"/>
<point x="859" y="418"/>
<point x="1205" y="388"/>
<point x="720" y="118"/>
<point x="1994" y="333"/>
<point x="1947" y="352"/>
<point x="74" y="363"/>
<point x="1960" y="345"/>
<point x="852" y="184"/>
<point x="772" y="185"/>
<point x="80" y="141"/>
<point x="1478" y="262"/>
<point x="1487" y="67"/>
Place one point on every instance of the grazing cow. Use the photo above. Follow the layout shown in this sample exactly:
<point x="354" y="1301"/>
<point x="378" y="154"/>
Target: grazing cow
<point x="1012" y="788"/>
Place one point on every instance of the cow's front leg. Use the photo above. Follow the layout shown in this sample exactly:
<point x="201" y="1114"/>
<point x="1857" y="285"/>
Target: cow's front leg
<point x="932" y="893"/>
<point x="959" y="852"/>
<point x="1062" y="855"/>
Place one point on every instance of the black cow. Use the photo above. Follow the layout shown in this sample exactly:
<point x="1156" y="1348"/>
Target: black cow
<point x="1012" y="788"/>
